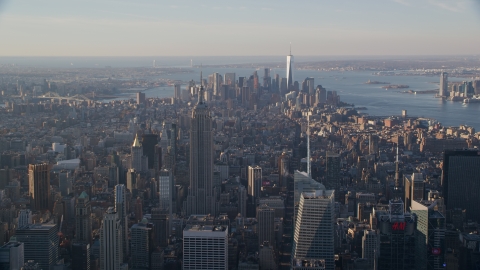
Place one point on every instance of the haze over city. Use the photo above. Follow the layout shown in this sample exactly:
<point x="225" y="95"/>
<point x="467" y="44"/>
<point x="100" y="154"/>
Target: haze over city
<point x="246" y="135"/>
<point x="203" y="28"/>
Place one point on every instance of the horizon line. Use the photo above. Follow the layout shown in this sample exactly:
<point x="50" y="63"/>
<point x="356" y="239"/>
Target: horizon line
<point x="258" y="55"/>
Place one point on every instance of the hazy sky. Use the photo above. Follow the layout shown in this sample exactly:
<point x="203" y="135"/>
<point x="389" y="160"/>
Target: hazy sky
<point x="246" y="27"/>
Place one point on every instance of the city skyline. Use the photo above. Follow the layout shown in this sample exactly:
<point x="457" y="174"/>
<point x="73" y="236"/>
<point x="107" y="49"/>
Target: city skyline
<point x="147" y="28"/>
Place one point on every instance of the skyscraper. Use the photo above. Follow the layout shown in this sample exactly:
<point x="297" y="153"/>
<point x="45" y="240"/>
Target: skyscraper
<point x="40" y="243"/>
<point x="80" y="256"/>
<point x="302" y="183"/>
<point x="83" y="228"/>
<point x="396" y="230"/>
<point x="201" y="198"/>
<point x="266" y="224"/>
<point x="290" y="68"/>
<point x="137" y="153"/>
<point x="161" y="228"/>
<point x="12" y="256"/>
<point x="140" y="98"/>
<point x="333" y="171"/>
<point x="313" y="239"/>
<point x="461" y="181"/>
<point x="370" y="246"/>
<point x="283" y="169"/>
<point x="443" y="84"/>
<point x="111" y="242"/>
<point x="141" y="245"/>
<point x="254" y="182"/>
<point x="39" y="186"/>
<point x="148" y="142"/>
<point x="166" y="190"/>
<point x="121" y="212"/>
<point x="430" y="235"/>
<point x="229" y="79"/>
<point x="205" y="247"/>
<point x="414" y="189"/>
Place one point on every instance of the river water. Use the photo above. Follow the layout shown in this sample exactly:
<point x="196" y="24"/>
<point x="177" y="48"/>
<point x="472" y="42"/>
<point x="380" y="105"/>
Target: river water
<point x="350" y="85"/>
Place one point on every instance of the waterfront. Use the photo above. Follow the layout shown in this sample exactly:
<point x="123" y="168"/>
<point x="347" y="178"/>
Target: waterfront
<point x="351" y="86"/>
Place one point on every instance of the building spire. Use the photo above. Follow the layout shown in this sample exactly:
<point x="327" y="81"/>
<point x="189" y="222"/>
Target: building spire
<point x="309" y="168"/>
<point x="290" y="48"/>
<point x="397" y="176"/>
<point x="136" y="142"/>
<point x="201" y="92"/>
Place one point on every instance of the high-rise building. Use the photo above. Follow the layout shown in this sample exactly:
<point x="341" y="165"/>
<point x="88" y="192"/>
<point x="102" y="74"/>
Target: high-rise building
<point x="266" y="224"/>
<point x="137" y="153"/>
<point x="81" y="256"/>
<point x="24" y="217"/>
<point x="160" y="220"/>
<point x="121" y="212"/>
<point x="443" y="84"/>
<point x="430" y="235"/>
<point x="313" y="239"/>
<point x="321" y="95"/>
<point x="217" y="82"/>
<point x="39" y="186"/>
<point x="205" y="247"/>
<point x="283" y="169"/>
<point x="83" y="210"/>
<point x="177" y="91"/>
<point x="111" y="242"/>
<point x="40" y="243"/>
<point x="414" y="189"/>
<point x="254" y="182"/>
<point x="290" y="67"/>
<point x="461" y="181"/>
<point x="229" y="79"/>
<point x="201" y="198"/>
<point x="266" y="257"/>
<point x="242" y="201"/>
<point x="140" y="98"/>
<point x="373" y="144"/>
<point x="12" y="256"/>
<point x="332" y="171"/>
<point x="396" y="230"/>
<point x="370" y="247"/>
<point x="476" y="87"/>
<point x="166" y="190"/>
<point x="141" y="245"/>
<point x="148" y="144"/>
<point x="302" y="183"/>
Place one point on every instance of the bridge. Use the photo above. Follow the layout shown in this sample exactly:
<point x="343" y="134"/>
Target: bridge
<point x="52" y="95"/>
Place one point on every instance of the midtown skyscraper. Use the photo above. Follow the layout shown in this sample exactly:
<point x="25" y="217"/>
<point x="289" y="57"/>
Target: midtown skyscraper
<point x="461" y="181"/>
<point x="313" y="239"/>
<point x="201" y="198"/>
<point x="39" y="186"/>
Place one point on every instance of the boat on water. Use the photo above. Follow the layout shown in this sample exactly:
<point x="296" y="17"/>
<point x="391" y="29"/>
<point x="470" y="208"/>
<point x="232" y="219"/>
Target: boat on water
<point x="471" y="100"/>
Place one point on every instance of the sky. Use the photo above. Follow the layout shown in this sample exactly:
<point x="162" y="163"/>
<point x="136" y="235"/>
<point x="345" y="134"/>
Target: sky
<point x="243" y="28"/>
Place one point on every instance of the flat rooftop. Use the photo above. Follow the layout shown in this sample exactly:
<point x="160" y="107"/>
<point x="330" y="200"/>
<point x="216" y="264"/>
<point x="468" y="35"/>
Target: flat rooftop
<point x="205" y="228"/>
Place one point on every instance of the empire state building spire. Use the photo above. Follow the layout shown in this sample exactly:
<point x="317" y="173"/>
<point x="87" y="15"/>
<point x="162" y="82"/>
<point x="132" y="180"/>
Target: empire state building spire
<point x="201" y="199"/>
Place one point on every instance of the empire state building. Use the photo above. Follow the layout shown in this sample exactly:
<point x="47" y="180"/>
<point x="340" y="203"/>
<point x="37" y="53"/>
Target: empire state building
<point x="201" y="198"/>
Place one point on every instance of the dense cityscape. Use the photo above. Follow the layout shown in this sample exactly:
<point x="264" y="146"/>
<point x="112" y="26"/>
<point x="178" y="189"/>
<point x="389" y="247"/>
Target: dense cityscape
<point x="232" y="172"/>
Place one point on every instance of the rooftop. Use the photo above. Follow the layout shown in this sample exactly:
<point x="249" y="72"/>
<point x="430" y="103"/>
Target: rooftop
<point x="206" y="228"/>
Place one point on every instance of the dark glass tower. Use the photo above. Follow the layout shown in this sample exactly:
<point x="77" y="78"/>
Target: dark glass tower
<point x="397" y="237"/>
<point x="461" y="181"/>
<point x="148" y="142"/>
